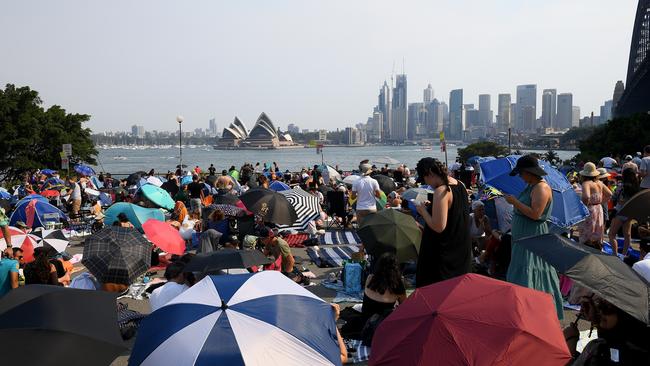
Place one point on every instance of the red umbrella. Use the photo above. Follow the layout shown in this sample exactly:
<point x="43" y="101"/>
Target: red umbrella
<point x="472" y="320"/>
<point x="164" y="236"/>
<point x="20" y="239"/>
<point x="50" y="193"/>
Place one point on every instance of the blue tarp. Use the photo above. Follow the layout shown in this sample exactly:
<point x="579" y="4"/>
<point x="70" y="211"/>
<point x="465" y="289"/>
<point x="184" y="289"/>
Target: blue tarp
<point x="567" y="209"/>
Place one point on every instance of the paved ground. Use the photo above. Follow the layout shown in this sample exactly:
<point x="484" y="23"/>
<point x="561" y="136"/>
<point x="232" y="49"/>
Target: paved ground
<point x="301" y="257"/>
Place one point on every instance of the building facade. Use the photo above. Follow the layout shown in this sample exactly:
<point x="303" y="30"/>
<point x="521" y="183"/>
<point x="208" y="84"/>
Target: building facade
<point x="526" y="101"/>
<point x="503" y="117"/>
<point x="399" y="123"/>
<point x="549" y="108"/>
<point x="456" y="115"/>
<point x="564" y="119"/>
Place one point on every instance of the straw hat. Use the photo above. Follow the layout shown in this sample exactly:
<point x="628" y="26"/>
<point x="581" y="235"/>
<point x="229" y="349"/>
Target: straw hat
<point x="589" y="170"/>
<point x="603" y="173"/>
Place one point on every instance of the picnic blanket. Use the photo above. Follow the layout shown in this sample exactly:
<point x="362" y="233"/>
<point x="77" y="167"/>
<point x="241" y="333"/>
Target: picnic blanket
<point x="340" y="237"/>
<point x="331" y="256"/>
<point x="360" y="352"/>
<point x="341" y="295"/>
<point x="295" y="240"/>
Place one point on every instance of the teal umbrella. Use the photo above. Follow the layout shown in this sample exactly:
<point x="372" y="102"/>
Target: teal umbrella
<point x="158" y="196"/>
<point x="391" y="231"/>
<point x="137" y="215"/>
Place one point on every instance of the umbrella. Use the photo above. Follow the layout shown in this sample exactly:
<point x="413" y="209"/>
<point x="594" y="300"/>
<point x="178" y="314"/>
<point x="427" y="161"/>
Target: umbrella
<point x="278" y="186"/>
<point x="105" y="199"/>
<point x="84" y="170"/>
<point x="54" y="240"/>
<point x="133" y="179"/>
<point x="306" y="206"/>
<point x="604" y="274"/>
<point x="213" y="262"/>
<point x="49" y="193"/>
<point x="350" y="179"/>
<point x="20" y="239"/>
<point x="418" y="195"/>
<point x="386" y="160"/>
<point x="117" y="254"/>
<point x="155" y="181"/>
<point x="637" y="207"/>
<point x="567" y="208"/>
<point x="253" y="319"/>
<point x="472" y="320"/>
<point x="226" y="199"/>
<point x="386" y="184"/>
<point x="157" y="196"/>
<point x="271" y="206"/>
<point x="228" y="210"/>
<point x="164" y="236"/>
<point x="329" y="173"/>
<point x="391" y="231"/>
<point x="137" y="215"/>
<point x="70" y="326"/>
<point x="36" y="212"/>
<point x="181" y="166"/>
<point x="48" y="171"/>
<point x="95" y="181"/>
<point x="186" y="180"/>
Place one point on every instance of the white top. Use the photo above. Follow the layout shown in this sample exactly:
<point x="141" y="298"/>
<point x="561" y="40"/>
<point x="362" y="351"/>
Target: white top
<point x="608" y="162"/>
<point x="645" y="167"/>
<point x="164" y="294"/>
<point x="642" y="267"/>
<point x="76" y="192"/>
<point x="475" y="231"/>
<point x="365" y="188"/>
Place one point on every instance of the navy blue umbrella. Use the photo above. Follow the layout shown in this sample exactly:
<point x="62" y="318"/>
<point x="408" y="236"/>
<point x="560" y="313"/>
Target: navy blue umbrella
<point x="279" y="186"/>
<point x="48" y="171"/>
<point x="84" y="170"/>
<point x="567" y="208"/>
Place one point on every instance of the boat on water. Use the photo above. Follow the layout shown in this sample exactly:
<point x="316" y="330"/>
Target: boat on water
<point x="119" y="158"/>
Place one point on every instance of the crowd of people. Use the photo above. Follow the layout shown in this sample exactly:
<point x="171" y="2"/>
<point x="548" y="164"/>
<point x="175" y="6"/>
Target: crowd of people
<point x="458" y="237"/>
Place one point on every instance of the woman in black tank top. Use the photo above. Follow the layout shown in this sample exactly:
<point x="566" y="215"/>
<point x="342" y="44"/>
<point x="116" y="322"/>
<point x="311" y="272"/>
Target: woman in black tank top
<point x="445" y="250"/>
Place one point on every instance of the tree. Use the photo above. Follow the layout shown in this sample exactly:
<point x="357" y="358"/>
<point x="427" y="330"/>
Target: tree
<point x="551" y="156"/>
<point x="31" y="136"/>
<point x="482" y="148"/>
<point x="618" y="137"/>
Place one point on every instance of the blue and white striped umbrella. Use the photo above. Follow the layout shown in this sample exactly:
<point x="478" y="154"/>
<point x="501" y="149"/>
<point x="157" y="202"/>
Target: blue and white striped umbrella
<point x="249" y="319"/>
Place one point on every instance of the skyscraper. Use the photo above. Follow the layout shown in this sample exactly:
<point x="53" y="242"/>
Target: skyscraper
<point x="428" y="94"/>
<point x="564" y="111"/>
<point x="384" y="107"/>
<point x="484" y="111"/>
<point x="526" y="97"/>
<point x="435" y="118"/>
<point x="212" y="127"/>
<point x="606" y="111"/>
<point x="549" y="108"/>
<point x="400" y="123"/>
<point x="575" y="120"/>
<point x="503" y="118"/>
<point x="619" y="88"/>
<point x="417" y="115"/>
<point x="456" y="115"/>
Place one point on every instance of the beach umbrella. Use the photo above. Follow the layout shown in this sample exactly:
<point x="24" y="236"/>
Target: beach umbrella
<point x="117" y="254"/>
<point x="137" y="215"/>
<point x="30" y="197"/>
<point x="54" y="240"/>
<point x="606" y="275"/>
<point x="245" y="319"/>
<point x="417" y="195"/>
<point x="213" y="262"/>
<point x="386" y="184"/>
<point x="70" y="326"/>
<point x="48" y="193"/>
<point x="155" y="181"/>
<point x="278" y="186"/>
<point x="84" y="170"/>
<point x="391" y="231"/>
<point x="36" y="212"/>
<point x="386" y="160"/>
<point x="228" y="210"/>
<point x="164" y="236"/>
<point x="19" y="239"/>
<point x="186" y="180"/>
<point x="637" y="207"/>
<point x="105" y="199"/>
<point x="350" y="179"/>
<point x="157" y="196"/>
<point x="272" y="206"/>
<point x="48" y="171"/>
<point x="476" y="320"/>
<point x="133" y="179"/>
<point x="329" y="173"/>
<point x="567" y="208"/>
<point x="306" y="206"/>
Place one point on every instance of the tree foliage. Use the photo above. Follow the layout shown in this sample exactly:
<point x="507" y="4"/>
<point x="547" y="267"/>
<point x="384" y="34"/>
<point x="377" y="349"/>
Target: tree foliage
<point x="31" y="136"/>
<point x="618" y="137"/>
<point x="482" y="148"/>
<point x="551" y="156"/>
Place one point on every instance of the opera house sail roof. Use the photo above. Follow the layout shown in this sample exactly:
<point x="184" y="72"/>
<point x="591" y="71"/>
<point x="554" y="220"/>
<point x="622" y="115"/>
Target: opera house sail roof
<point x="262" y="135"/>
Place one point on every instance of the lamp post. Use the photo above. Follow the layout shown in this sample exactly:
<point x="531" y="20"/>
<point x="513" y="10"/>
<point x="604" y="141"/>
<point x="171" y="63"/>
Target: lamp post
<point x="179" y="119"/>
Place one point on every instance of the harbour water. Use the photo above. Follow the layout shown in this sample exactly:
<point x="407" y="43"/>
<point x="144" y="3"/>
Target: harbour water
<point x="126" y="161"/>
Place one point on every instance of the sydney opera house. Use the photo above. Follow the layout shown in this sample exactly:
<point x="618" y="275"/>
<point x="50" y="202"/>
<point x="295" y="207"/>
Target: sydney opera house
<point x="264" y="135"/>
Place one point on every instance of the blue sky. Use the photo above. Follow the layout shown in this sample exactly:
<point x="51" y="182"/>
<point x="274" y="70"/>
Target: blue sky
<point x="313" y="63"/>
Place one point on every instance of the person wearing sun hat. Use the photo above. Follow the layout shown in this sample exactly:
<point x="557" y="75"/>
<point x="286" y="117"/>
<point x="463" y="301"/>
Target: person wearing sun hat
<point x="531" y="210"/>
<point x="594" y="193"/>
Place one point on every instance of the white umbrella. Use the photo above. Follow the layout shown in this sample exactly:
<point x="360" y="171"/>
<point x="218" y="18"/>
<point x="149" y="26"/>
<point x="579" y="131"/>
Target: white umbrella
<point x="51" y="238"/>
<point x="329" y="173"/>
<point x="155" y="181"/>
<point x="350" y="179"/>
<point x="387" y="160"/>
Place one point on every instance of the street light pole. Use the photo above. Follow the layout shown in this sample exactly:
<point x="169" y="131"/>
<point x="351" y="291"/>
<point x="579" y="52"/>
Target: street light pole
<point x="179" y="119"/>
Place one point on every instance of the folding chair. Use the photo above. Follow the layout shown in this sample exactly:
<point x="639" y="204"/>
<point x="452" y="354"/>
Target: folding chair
<point x="336" y="209"/>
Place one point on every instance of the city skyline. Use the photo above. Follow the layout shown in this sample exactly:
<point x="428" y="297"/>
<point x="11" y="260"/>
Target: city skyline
<point x="144" y="67"/>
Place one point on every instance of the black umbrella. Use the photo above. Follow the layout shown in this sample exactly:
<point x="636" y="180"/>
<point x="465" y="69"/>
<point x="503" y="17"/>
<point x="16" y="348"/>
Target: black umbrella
<point x="133" y="179"/>
<point x="606" y="275"/>
<point x="210" y="263"/>
<point x="637" y="207"/>
<point x="179" y="166"/>
<point x="386" y="184"/>
<point x="391" y="231"/>
<point x="58" y="325"/>
<point x="117" y="255"/>
<point x="270" y="205"/>
<point x="225" y="199"/>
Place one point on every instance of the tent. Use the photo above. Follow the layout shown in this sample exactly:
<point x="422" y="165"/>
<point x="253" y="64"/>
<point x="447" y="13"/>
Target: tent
<point x="36" y="212"/>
